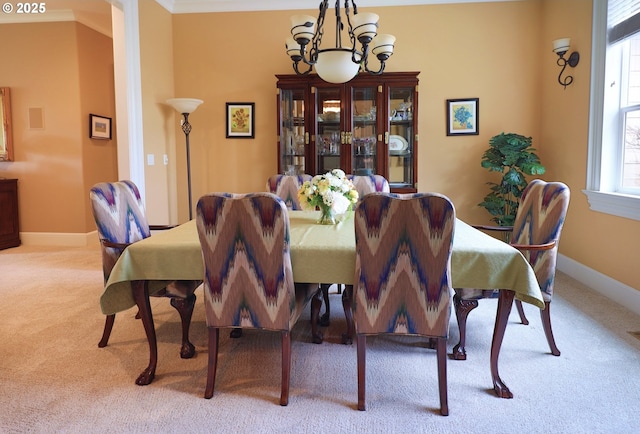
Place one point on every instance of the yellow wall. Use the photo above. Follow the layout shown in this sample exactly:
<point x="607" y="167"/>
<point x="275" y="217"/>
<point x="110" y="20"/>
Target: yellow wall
<point x="484" y="50"/>
<point x="159" y="120"/>
<point x="599" y="241"/>
<point x="66" y="70"/>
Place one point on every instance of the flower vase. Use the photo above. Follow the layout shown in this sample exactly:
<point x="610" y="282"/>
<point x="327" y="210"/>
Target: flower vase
<point x="327" y="216"/>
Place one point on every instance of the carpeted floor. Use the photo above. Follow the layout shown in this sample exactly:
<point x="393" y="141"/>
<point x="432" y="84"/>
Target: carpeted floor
<point x="54" y="378"/>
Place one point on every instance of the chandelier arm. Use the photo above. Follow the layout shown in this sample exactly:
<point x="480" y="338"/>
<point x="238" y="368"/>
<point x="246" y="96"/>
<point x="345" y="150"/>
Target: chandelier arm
<point x="378" y="72"/>
<point x="295" y="68"/>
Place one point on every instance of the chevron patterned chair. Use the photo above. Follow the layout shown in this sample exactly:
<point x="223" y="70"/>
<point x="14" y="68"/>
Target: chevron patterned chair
<point x="248" y="280"/>
<point x="542" y="210"/>
<point x="402" y="283"/>
<point x="364" y="184"/>
<point x="286" y="187"/>
<point x="118" y="211"/>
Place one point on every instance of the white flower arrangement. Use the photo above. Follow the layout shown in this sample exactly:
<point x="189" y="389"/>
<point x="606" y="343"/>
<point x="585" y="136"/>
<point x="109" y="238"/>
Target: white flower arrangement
<point x="331" y="192"/>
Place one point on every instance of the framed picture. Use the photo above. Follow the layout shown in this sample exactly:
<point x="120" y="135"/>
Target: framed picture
<point x="241" y="120"/>
<point x="99" y="127"/>
<point x="462" y="117"/>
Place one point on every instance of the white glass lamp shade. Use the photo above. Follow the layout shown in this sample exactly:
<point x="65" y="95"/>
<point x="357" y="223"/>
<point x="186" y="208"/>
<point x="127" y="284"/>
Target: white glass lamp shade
<point x="184" y="105"/>
<point x="293" y="48"/>
<point x="383" y="45"/>
<point x="303" y="27"/>
<point x="334" y="65"/>
<point x="365" y="25"/>
<point x="561" y="45"/>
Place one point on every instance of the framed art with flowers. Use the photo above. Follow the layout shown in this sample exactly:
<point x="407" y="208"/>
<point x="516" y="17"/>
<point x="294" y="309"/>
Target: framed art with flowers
<point x="462" y="117"/>
<point x="240" y="120"/>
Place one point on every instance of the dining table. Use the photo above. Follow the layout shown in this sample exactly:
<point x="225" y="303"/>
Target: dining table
<point x="319" y="254"/>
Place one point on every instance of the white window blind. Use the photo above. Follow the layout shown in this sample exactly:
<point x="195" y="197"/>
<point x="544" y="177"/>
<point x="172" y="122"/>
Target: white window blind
<point x="623" y="19"/>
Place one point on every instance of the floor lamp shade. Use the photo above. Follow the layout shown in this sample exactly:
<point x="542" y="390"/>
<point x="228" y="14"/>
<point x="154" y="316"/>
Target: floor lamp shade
<point x="184" y="105"/>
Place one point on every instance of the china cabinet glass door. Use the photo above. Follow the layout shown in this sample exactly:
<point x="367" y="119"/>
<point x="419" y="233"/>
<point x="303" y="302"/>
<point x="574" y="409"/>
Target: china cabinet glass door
<point x="363" y="134"/>
<point x="401" y="136"/>
<point x="294" y="137"/>
<point x="329" y="131"/>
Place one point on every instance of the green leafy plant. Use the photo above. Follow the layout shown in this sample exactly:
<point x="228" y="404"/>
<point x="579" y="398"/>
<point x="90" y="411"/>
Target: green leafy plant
<point x="513" y="156"/>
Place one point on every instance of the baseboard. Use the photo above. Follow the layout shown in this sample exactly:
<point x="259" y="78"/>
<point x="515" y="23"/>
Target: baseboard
<point x="58" y="239"/>
<point x="619" y="292"/>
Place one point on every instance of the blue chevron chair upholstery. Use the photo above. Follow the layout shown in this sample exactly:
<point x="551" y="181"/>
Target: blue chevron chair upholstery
<point x="542" y="210"/>
<point x="286" y="187"/>
<point x="364" y="184"/>
<point x="402" y="282"/>
<point x="248" y="280"/>
<point x="120" y="219"/>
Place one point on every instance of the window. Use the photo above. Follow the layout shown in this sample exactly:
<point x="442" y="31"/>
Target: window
<point x="613" y="178"/>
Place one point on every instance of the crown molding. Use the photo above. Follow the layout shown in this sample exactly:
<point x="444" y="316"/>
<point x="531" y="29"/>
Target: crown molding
<point x="203" y="6"/>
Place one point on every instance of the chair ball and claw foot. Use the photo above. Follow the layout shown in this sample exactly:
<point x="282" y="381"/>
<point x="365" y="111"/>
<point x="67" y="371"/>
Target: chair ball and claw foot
<point x="462" y="308"/>
<point x="402" y="282"/>
<point x="246" y="285"/>
<point x="185" y="306"/>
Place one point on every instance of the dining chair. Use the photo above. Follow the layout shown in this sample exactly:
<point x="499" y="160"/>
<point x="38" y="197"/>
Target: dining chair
<point x="402" y="282"/>
<point x="248" y="280"/>
<point x="541" y="213"/>
<point x="364" y="184"/>
<point x="286" y="187"/>
<point x="120" y="219"/>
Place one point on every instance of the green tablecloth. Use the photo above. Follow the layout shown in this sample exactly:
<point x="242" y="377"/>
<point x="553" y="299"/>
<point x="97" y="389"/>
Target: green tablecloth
<point x="319" y="253"/>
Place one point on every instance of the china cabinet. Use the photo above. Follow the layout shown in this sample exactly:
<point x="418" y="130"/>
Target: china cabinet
<point x="366" y="126"/>
<point x="9" y="229"/>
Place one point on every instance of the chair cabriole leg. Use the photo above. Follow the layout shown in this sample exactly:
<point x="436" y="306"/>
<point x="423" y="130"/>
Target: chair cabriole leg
<point x="361" y="342"/>
<point x="523" y="317"/>
<point x="185" y="309"/>
<point x="441" y="354"/>
<point x="108" y="326"/>
<point x="214" y="335"/>
<point x="462" y="307"/>
<point x="286" y="367"/>
<point x="545" y="315"/>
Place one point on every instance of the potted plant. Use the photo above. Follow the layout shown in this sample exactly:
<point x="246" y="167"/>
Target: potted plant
<point x="512" y="155"/>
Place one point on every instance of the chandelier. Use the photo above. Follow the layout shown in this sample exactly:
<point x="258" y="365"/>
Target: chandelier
<point x="338" y="64"/>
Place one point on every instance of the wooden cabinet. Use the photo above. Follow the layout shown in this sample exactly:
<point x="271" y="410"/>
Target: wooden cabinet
<point x="366" y="126"/>
<point x="9" y="228"/>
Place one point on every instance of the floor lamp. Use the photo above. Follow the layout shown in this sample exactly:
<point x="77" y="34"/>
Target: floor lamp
<point x="185" y="106"/>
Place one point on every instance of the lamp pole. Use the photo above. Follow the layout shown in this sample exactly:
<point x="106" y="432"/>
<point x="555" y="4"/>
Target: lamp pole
<point x="186" y="129"/>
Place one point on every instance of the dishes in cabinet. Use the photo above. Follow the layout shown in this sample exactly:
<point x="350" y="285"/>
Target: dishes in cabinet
<point x="398" y="145"/>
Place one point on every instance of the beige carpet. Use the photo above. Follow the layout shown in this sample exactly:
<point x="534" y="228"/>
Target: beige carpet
<point x="54" y="378"/>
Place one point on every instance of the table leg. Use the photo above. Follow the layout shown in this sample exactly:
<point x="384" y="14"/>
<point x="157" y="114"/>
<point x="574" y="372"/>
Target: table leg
<point x="140" y="290"/>
<point x="502" y="316"/>
<point x="347" y="299"/>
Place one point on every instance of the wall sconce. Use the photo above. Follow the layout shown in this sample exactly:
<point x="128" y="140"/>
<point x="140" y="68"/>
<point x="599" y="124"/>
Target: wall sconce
<point x="560" y="47"/>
